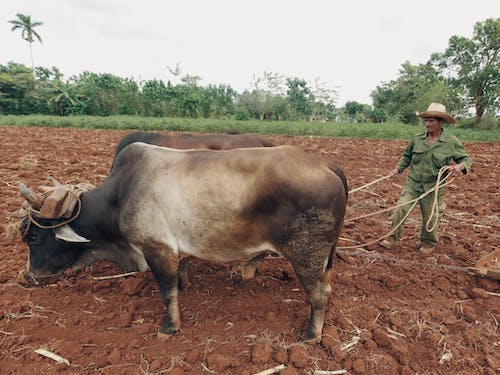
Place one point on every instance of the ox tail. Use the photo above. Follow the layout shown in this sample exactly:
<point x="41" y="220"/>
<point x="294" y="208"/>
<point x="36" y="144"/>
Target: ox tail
<point x="339" y="172"/>
<point x="329" y="272"/>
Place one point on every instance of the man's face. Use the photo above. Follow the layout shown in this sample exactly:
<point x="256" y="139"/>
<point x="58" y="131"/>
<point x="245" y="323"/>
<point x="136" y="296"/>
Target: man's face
<point x="432" y="124"/>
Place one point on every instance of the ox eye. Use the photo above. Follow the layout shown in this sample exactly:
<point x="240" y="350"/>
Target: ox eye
<point x="30" y="238"/>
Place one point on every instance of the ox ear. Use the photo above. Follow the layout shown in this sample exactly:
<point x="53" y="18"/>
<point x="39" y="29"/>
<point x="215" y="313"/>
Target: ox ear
<point x="67" y="234"/>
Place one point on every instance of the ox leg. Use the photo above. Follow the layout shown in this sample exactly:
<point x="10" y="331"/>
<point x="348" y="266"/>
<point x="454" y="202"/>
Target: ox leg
<point x="164" y="265"/>
<point x="310" y="252"/>
<point x="315" y="284"/>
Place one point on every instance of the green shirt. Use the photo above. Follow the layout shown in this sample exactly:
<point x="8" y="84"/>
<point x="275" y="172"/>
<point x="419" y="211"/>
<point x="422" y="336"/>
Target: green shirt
<point x="426" y="160"/>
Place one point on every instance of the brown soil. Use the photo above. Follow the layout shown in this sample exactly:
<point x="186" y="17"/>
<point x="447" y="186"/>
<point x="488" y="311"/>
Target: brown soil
<point x="391" y="312"/>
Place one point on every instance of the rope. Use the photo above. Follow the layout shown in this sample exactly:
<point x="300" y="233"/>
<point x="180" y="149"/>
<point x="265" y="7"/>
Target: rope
<point x="41" y="226"/>
<point x="440" y="183"/>
<point x="435" y="207"/>
<point x="419" y="263"/>
<point x="376" y="255"/>
<point x="76" y="191"/>
<point x="370" y="183"/>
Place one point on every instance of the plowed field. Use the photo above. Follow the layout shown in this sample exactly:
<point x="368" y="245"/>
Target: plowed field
<point x="390" y="312"/>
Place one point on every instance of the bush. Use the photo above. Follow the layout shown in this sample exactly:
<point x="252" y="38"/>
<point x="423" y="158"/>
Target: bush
<point x="486" y="123"/>
<point x="468" y="123"/>
<point x="242" y="114"/>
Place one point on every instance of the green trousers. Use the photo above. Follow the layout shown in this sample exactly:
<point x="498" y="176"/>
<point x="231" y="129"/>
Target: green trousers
<point x="410" y="192"/>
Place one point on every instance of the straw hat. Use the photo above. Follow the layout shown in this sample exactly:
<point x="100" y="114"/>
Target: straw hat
<point x="437" y="110"/>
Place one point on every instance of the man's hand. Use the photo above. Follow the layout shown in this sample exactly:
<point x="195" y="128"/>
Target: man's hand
<point x="457" y="169"/>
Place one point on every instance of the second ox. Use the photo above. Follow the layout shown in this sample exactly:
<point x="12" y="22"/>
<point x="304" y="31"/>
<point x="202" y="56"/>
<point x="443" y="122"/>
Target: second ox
<point x="185" y="141"/>
<point x="221" y="206"/>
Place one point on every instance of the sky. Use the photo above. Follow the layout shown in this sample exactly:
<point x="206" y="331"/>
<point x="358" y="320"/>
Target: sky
<point x="351" y="45"/>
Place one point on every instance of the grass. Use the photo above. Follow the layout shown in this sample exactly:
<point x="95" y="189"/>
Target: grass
<point x="391" y="130"/>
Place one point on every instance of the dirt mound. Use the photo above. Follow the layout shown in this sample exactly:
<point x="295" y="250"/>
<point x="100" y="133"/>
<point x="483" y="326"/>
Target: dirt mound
<point x="391" y="312"/>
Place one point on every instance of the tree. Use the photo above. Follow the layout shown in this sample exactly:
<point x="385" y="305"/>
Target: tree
<point x="299" y="97"/>
<point x="27" y="27"/>
<point x="266" y="101"/>
<point x="16" y="87"/>
<point x="271" y="84"/>
<point x="473" y="66"/>
<point x="54" y="96"/>
<point x="323" y="100"/>
<point x="218" y="101"/>
<point x="155" y="95"/>
<point x="356" y="112"/>
<point x="104" y="95"/>
<point x="415" y="88"/>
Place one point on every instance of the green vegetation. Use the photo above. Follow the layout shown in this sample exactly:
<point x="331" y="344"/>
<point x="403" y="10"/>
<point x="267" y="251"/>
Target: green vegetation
<point x="465" y="78"/>
<point x="473" y="67"/>
<point x="274" y="97"/>
<point x="389" y="130"/>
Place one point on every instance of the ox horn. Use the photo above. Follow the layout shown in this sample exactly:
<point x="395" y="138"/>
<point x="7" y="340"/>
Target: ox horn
<point x="34" y="200"/>
<point x="66" y="233"/>
<point x="44" y="189"/>
<point x="54" y="182"/>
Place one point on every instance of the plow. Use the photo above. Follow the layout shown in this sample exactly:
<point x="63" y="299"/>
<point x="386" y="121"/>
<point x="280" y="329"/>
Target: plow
<point x="489" y="265"/>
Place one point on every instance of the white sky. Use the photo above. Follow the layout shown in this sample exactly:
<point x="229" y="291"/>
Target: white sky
<point x="351" y="45"/>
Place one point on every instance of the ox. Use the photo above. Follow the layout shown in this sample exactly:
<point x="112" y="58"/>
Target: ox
<point x="220" y="206"/>
<point x="187" y="141"/>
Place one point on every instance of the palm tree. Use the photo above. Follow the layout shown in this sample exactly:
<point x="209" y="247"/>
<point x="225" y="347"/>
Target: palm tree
<point x="27" y="27"/>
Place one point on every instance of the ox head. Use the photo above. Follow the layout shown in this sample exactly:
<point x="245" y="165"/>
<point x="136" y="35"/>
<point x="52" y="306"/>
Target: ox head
<point x="53" y="245"/>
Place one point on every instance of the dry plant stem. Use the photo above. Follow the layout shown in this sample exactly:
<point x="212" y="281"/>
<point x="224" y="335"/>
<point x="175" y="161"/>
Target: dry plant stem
<point x="49" y="354"/>
<point x="272" y="370"/>
<point x="98" y="278"/>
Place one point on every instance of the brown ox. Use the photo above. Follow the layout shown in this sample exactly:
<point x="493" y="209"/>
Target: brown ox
<point x="221" y="206"/>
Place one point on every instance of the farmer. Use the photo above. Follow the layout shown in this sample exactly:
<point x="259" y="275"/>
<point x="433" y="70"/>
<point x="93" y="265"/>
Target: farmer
<point x="426" y="154"/>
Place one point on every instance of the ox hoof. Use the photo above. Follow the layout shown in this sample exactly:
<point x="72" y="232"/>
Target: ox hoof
<point x="311" y="339"/>
<point x="168" y="329"/>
